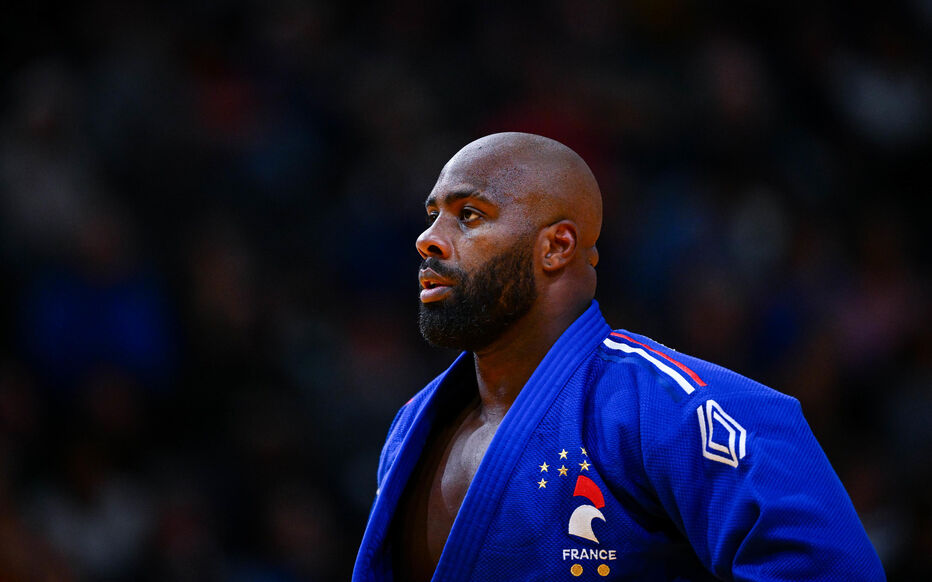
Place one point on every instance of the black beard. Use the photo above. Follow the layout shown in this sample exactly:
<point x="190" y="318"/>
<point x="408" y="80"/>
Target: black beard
<point x="482" y="305"/>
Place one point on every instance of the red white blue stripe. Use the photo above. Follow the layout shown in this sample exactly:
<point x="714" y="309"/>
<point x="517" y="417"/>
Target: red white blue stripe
<point x="660" y="360"/>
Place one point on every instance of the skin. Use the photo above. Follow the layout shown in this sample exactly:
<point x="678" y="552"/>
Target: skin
<point x="488" y="195"/>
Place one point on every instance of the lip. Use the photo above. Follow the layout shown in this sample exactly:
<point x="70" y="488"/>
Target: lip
<point x="433" y="286"/>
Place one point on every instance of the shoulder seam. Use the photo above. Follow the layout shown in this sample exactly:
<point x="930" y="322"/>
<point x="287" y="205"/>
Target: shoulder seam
<point x="624" y="343"/>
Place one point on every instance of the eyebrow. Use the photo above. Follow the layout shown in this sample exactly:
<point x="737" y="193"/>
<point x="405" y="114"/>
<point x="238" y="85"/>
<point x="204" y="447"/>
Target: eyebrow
<point x="455" y="195"/>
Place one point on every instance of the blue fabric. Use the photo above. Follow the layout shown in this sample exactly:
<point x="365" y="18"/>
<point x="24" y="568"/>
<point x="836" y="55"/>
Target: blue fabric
<point x="622" y="459"/>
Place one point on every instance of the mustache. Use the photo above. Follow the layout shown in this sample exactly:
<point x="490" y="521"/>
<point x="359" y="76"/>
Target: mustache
<point x="443" y="270"/>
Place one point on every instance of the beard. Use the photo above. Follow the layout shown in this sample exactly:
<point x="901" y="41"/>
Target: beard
<point x="483" y="304"/>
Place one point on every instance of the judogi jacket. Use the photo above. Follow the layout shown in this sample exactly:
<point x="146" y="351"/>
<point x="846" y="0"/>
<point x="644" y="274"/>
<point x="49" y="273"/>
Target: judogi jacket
<point x="622" y="459"/>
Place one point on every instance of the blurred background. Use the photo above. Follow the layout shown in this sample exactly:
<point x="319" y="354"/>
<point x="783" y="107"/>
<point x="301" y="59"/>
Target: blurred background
<point x="208" y="277"/>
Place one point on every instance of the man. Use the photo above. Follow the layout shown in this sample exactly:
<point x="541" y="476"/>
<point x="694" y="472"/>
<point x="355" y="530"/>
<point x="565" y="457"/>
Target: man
<point x="556" y="448"/>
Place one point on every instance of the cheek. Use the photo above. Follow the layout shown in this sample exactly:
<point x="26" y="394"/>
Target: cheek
<point x="471" y="252"/>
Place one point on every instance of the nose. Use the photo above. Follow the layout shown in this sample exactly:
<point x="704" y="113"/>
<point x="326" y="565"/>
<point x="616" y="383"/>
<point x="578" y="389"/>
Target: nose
<point x="431" y="243"/>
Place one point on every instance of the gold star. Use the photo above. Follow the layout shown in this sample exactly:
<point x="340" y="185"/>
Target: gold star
<point x="542" y="484"/>
<point x="563" y="454"/>
<point x="584" y="466"/>
<point x="544" y="467"/>
<point x="584" y="451"/>
<point x="563" y="471"/>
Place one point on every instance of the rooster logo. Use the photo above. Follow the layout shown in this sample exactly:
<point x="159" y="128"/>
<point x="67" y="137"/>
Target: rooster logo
<point x="581" y="520"/>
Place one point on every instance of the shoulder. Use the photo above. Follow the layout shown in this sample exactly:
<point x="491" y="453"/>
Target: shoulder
<point x="408" y="412"/>
<point x="412" y="409"/>
<point x="682" y="378"/>
<point x="734" y="464"/>
<point x="673" y="389"/>
<point x="402" y="424"/>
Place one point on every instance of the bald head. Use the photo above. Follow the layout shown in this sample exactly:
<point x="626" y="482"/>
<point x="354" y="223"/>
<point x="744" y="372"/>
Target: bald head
<point x="549" y="180"/>
<point x="512" y="226"/>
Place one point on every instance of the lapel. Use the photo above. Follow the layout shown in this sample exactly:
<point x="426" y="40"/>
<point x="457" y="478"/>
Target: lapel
<point x="373" y="562"/>
<point x="472" y="522"/>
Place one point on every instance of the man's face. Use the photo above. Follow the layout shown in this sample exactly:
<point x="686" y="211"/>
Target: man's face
<point x="482" y="304"/>
<point x="478" y="274"/>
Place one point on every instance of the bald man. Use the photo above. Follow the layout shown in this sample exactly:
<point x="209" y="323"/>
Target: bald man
<point x="556" y="448"/>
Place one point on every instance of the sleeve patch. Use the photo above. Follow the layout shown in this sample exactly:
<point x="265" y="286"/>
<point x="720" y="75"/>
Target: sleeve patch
<point x="723" y="439"/>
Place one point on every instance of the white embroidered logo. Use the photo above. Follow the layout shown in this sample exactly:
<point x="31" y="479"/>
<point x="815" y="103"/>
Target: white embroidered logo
<point x="709" y="414"/>
<point x="581" y="521"/>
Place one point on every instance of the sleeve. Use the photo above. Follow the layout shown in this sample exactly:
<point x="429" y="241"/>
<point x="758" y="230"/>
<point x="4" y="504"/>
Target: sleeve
<point x="744" y="479"/>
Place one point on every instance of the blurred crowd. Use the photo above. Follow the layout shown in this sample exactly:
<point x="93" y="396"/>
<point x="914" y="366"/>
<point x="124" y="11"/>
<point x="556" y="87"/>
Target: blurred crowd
<point x="207" y="225"/>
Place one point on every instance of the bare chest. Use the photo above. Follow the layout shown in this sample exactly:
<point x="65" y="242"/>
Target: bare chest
<point x="459" y="464"/>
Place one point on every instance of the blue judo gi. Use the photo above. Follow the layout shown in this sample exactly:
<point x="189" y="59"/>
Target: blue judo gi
<point x="622" y="459"/>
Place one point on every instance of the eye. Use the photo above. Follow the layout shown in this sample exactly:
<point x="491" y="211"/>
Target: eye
<point x="432" y="216"/>
<point x="470" y="215"/>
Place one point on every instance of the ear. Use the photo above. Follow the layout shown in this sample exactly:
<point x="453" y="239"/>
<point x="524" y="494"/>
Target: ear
<point x="559" y="245"/>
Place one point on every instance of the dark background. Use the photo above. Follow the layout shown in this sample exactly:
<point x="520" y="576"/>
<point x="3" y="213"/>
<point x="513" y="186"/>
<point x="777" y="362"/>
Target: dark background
<point x="207" y="225"/>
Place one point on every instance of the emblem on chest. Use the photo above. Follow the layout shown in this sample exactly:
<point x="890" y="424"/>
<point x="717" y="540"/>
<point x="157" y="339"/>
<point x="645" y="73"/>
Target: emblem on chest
<point x="567" y="476"/>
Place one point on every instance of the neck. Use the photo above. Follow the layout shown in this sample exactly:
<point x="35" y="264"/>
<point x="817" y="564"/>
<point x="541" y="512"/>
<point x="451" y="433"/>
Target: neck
<point x="504" y="367"/>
